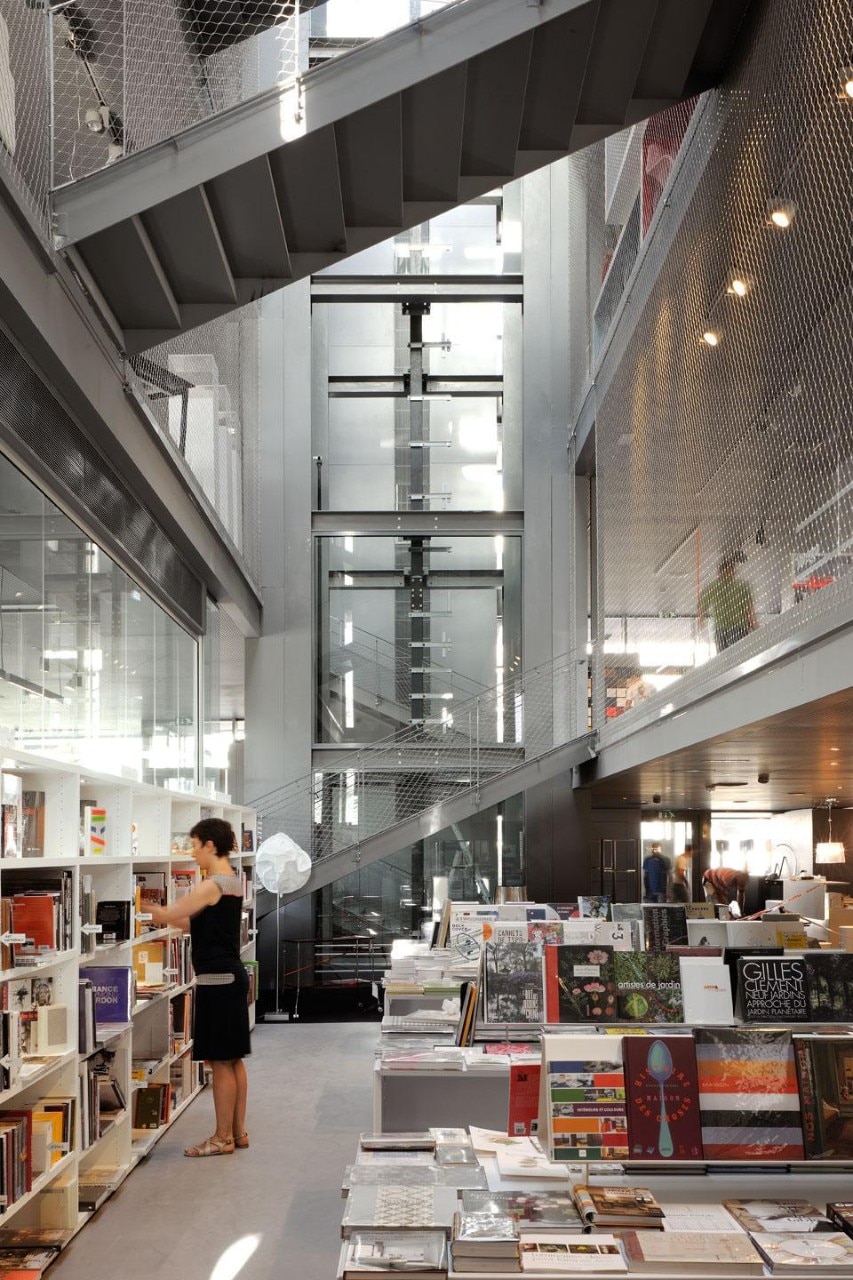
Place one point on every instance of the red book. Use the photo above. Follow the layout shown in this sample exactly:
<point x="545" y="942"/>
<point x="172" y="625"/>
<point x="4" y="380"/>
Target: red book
<point x="524" y="1080"/>
<point x="662" y="1092"/>
<point x="34" y="914"/>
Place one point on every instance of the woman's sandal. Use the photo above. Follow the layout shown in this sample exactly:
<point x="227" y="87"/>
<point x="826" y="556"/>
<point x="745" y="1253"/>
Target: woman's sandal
<point x="211" y="1147"/>
<point x="241" y="1140"/>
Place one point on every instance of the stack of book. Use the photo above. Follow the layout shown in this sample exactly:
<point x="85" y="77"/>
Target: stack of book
<point x="485" y="1242"/>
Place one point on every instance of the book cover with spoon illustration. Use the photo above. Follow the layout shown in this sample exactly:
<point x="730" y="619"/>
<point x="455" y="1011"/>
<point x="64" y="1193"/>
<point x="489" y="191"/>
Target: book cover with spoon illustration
<point x="662" y="1094"/>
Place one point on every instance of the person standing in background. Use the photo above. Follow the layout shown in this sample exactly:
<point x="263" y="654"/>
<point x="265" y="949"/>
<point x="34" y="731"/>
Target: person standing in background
<point x="729" y="604"/>
<point x="655" y="875"/>
<point x="681" y="875"/>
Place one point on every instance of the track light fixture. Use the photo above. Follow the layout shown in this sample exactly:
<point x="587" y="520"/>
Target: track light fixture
<point x="845" y="84"/>
<point x="781" y="213"/>
<point x="712" y="335"/>
<point x="738" y="284"/>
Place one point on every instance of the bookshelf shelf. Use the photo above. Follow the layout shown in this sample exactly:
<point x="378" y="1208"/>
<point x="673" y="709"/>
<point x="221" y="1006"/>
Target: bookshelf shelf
<point x="97" y="848"/>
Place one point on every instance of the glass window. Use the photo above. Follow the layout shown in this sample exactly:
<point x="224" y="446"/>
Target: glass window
<point x="91" y="669"/>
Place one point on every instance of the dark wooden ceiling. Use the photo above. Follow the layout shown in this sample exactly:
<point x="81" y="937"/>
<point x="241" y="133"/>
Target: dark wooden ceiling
<point x="807" y="753"/>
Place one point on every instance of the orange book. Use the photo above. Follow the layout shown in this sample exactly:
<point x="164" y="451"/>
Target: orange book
<point x="34" y="914"/>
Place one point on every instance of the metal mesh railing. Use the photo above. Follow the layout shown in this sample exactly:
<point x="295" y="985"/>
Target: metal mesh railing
<point x="126" y="74"/>
<point x="24" y="105"/>
<point x="368" y="790"/>
<point x="724" y="439"/>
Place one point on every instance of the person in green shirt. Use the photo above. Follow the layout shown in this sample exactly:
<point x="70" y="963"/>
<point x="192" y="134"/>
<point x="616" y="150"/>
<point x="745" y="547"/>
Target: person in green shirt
<point x="728" y="602"/>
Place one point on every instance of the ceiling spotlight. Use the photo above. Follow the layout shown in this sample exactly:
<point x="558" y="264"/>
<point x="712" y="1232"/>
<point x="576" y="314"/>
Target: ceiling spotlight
<point x="712" y="337"/>
<point x="845" y="84"/>
<point x="97" y="119"/>
<point x="739" y="284"/>
<point x="781" y="213"/>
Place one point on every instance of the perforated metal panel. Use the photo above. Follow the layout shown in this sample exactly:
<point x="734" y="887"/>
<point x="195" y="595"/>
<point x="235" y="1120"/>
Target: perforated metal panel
<point x="734" y="449"/>
<point x="35" y="424"/>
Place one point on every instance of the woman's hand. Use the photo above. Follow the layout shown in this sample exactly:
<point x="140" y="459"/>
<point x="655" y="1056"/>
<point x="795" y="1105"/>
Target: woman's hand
<point x="157" y="914"/>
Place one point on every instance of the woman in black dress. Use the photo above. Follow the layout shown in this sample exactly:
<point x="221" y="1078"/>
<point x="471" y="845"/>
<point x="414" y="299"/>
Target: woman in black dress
<point x="221" y="1019"/>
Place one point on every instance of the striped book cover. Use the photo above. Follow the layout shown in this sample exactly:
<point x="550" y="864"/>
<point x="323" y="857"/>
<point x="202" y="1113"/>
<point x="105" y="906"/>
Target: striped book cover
<point x="748" y="1097"/>
<point x="585" y="1082"/>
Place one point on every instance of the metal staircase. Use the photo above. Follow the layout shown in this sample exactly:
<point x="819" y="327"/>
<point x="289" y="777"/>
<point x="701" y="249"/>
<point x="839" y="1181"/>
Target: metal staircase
<point x="379" y="140"/>
<point x="372" y="803"/>
<point x="382" y="681"/>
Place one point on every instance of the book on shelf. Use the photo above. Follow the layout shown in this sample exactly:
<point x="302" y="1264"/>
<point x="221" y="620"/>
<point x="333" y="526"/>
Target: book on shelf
<point x="89" y="932"/>
<point x="572" y="1255"/>
<point x="25" y="1261"/>
<point x="113" y="915"/>
<point x="786" y="1216"/>
<point x="85" y="1016"/>
<point x="247" y="840"/>
<point x="385" y="1255"/>
<point x="829" y="975"/>
<point x="32" y="823"/>
<point x="488" y="1142"/>
<point x="772" y="989"/>
<point x="801" y="1254"/>
<point x="589" y="931"/>
<point x="93" y="830"/>
<point x="94" y="1185"/>
<point x="399" y="1208"/>
<point x="531" y="1210"/>
<point x="468" y="1012"/>
<point x="582" y="1110"/>
<point x="773" y="931"/>
<point x="34" y="915"/>
<point x="113" y="987"/>
<point x="513" y="976"/>
<point x="840" y="1212"/>
<point x="748" y="1095"/>
<point x="181" y="843"/>
<point x="706" y="991"/>
<point x="597" y="906"/>
<point x="662" y="1094"/>
<point x="149" y="964"/>
<point x="580" y="984"/>
<point x="150" y="890"/>
<point x="618" y="1206"/>
<point x="51" y="1029"/>
<point x="470" y="928"/>
<point x="524" y="1089"/>
<point x="680" y="1253"/>
<point x="825" y="1075"/>
<point x="664" y="924"/>
<point x="151" y="1105"/>
<point x="484" y="1235"/>
<point x="648" y="987"/>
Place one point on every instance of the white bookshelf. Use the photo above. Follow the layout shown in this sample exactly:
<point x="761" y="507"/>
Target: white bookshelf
<point x="141" y="823"/>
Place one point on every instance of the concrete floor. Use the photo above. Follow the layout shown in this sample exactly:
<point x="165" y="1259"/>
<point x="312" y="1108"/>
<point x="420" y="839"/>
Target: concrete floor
<point x="310" y="1095"/>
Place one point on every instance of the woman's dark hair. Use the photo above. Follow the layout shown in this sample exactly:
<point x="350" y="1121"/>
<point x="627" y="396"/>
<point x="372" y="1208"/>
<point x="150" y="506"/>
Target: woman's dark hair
<point x="219" y="832"/>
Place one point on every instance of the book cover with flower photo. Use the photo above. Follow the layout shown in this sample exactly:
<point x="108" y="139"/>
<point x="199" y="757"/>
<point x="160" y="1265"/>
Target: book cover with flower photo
<point x="580" y="984"/>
